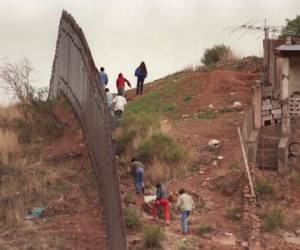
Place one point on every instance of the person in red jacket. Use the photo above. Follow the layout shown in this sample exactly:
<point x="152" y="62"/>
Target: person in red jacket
<point x="121" y="84"/>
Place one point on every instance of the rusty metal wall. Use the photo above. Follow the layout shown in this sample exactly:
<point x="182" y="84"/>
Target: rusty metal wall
<point x="75" y="76"/>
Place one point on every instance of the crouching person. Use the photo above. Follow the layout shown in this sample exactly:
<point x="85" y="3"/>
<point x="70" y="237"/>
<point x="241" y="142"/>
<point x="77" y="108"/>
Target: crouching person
<point x="161" y="200"/>
<point x="185" y="205"/>
<point x="138" y="171"/>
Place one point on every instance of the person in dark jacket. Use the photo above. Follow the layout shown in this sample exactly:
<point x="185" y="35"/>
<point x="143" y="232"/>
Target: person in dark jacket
<point x="161" y="200"/>
<point x="121" y="84"/>
<point x="141" y="73"/>
<point x="138" y="171"/>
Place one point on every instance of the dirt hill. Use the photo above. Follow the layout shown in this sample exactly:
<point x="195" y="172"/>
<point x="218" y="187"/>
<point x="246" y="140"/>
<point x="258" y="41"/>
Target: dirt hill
<point x="192" y="107"/>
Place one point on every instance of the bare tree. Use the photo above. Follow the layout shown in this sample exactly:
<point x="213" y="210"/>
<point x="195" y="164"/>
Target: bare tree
<point x="16" y="78"/>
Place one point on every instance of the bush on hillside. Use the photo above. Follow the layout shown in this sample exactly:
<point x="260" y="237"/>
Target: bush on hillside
<point x="131" y="218"/>
<point x="153" y="236"/>
<point x="161" y="147"/>
<point x="215" y="54"/>
<point x="274" y="219"/>
<point x="133" y="125"/>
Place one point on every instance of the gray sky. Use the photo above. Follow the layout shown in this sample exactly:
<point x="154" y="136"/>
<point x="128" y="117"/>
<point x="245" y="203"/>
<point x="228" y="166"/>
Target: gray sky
<point x="167" y="34"/>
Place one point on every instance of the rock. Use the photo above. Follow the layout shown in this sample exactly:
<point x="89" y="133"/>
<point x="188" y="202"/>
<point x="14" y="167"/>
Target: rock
<point x="185" y="116"/>
<point x="220" y="157"/>
<point x="214" y="143"/>
<point x="297" y="232"/>
<point x="211" y="106"/>
<point x="201" y="172"/>
<point x="215" y="163"/>
<point x="245" y="245"/>
<point x="237" y="105"/>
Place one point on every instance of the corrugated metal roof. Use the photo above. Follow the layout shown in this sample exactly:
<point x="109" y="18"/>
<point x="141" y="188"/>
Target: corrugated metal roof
<point x="289" y="47"/>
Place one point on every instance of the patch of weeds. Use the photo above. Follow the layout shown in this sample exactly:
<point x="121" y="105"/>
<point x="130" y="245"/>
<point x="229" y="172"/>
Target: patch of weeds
<point x="185" y="244"/>
<point x="209" y="114"/>
<point x="264" y="188"/>
<point x="235" y="166"/>
<point x="162" y="147"/>
<point x="203" y="229"/>
<point x="133" y="125"/>
<point x="167" y="107"/>
<point x="234" y="214"/>
<point x="153" y="236"/>
<point x="130" y="199"/>
<point x="226" y="110"/>
<point x="131" y="218"/>
<point x="273" y="219"/>
<point x="187" y="98"/>
<point x="194" y="168"/>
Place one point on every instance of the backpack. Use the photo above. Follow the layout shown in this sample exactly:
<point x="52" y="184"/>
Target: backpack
<point x="137" y="72"/>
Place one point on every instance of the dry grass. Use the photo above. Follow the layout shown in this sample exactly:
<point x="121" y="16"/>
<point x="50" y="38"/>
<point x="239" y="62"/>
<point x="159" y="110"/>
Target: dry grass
<point x="23" y="187"/>
<point x="9" y="146"/>
<point x="10" y="112"/>
<point x="160" y="171"/>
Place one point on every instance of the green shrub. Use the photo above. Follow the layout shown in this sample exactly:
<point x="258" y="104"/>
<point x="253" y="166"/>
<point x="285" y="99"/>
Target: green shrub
<point x="131" y="218"/>
<point x="226" y="110"/>
<point x="166" y="107"/>
<point x="214" y="54"/>
<point x="263" y="188"/>
<point x="187" y="98"/>
<point x="203" y="229"/>
<point x="234" y="214"/>
<point x="273" y="219"/>
<point x="153" y="236"/>
<point x="209" y="114"/>
<point x="162" y="147"/>
<point x="134" y="124"/>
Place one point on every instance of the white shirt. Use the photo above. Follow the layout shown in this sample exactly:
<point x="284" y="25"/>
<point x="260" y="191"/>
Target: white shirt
<point x="119" y="103"/>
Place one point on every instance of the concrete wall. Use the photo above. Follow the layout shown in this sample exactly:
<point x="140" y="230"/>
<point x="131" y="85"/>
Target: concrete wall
<point x="75" y="76"/>
<point x="294" y="75"/>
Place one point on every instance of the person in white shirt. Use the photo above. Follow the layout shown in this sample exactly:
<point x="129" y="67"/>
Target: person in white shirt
<point x="118" y="104"/>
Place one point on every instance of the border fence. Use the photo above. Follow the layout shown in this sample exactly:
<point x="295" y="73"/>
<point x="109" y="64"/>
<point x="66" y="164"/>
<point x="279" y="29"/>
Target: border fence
<point x="75" y="76"/>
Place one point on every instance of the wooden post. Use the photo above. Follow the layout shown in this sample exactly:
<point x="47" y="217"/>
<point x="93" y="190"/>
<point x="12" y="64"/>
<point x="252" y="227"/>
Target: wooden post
<point x="246" y="163"/>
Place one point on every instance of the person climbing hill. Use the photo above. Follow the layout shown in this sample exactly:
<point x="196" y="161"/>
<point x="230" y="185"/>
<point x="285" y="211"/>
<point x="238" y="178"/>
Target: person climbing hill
<point x="103" y="77"/>
<point x="138" y="171"/>
<point x="141" y="73"/>
<point x="161" y="200"/>
<point x="118" y="104"/>
<point x="185" y="205"/>
<point x="121" y="80"/>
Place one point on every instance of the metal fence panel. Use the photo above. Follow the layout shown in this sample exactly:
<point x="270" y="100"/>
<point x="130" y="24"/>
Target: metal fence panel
<point x="75" y="76"/>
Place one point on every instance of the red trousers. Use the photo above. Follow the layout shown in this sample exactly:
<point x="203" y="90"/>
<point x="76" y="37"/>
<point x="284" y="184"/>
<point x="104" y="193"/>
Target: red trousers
<point x="165" y="204"/>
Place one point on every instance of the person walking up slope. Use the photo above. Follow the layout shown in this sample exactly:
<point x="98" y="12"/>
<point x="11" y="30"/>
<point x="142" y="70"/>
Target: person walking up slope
<point x="103" y="77"/>
<point x="185" y="205"/>
<point x="121" y="84"/>
<point x="141" y="73"/>
<point x="118" y="103"/>
<point x="161" y="200"/>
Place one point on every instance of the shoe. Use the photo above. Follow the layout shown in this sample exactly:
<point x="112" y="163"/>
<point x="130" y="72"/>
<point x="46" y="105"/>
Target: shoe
<point x="143" y="190"/>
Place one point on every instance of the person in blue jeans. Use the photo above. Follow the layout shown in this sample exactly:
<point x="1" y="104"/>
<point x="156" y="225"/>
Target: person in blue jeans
<point x="185" y="205"/>
<point x="138" y="171"/>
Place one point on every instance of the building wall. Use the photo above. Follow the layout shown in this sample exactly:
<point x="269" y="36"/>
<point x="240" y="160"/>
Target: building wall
<point x="294" y="75"/>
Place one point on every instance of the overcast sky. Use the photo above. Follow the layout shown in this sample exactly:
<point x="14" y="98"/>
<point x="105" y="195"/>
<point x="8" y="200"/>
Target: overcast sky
<point x="167" y="34"/>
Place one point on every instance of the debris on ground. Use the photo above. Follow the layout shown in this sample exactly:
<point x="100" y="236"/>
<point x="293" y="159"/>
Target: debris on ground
<point x="214" y="144"/>
<point x="35" y="213"/>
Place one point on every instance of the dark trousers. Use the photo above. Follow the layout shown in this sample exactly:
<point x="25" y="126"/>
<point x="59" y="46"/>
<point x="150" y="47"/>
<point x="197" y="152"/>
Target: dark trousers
<point x="140" y="85"/>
